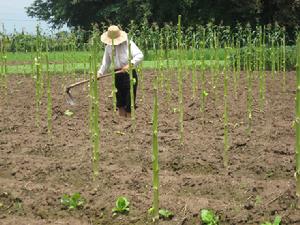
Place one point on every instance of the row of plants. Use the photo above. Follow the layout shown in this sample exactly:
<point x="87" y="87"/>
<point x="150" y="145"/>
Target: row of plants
<point x="122" y="207"/>
<point x="252" y="61"/>
<point x="213" y="38"/>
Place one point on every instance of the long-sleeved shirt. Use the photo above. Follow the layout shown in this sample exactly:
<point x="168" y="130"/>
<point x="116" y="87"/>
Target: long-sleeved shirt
<point x="120" y="56"/>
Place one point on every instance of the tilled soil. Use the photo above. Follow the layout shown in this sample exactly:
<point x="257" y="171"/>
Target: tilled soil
<point x="36" y="170"/>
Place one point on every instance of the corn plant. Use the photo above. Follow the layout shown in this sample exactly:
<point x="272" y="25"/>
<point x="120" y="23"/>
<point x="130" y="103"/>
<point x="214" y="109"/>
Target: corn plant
<point x="297" y="174"/>
<point x="155" y="165"/>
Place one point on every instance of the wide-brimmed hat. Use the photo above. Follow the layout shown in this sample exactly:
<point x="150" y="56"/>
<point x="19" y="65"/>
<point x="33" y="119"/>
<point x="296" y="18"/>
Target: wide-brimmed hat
<point x="113" y="32"/>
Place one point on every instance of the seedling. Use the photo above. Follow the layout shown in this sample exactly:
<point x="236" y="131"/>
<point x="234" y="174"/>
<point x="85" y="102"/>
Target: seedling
<point x="72" y="201"/>
<point x="208" y="217"/>
<point x="277" y="221"/>
<point x="68" y="113"/>
<point x="163" y="213"/>
<point x="122" y="206"/>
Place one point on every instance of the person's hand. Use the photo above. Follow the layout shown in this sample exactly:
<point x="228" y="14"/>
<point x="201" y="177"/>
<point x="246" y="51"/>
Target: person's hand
<point x="125" y="68"/>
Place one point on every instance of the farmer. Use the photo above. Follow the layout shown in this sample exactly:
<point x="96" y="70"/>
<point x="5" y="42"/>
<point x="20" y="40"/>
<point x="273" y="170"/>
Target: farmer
<point x="122" y="80"/>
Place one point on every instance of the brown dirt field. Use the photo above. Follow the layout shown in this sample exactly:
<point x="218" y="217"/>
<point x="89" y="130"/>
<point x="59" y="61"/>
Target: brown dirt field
<point x="35" y="171"/>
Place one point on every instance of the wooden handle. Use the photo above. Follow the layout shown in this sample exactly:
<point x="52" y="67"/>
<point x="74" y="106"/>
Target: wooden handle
<point x="87" y="80"/>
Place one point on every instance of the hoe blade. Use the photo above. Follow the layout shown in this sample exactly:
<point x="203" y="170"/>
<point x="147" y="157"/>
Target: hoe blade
<point x="70" y="99"/>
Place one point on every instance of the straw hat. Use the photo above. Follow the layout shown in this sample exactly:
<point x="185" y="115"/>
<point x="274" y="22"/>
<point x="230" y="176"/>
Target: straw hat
<point x="113" y="32"/>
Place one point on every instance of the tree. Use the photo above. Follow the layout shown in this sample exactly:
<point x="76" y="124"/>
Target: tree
<point x="82" y="13"/>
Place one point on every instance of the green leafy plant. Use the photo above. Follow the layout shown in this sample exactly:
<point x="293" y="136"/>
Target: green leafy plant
<point x="165" y="214"/>
<point x="72" y="201"/>
<point x="208" y="217"/>
<point x="122" y="206"/>
<point x="277" y="221"/>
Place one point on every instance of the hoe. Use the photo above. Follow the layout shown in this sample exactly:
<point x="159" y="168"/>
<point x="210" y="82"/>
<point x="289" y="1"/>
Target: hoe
<point x="70" y="98"/>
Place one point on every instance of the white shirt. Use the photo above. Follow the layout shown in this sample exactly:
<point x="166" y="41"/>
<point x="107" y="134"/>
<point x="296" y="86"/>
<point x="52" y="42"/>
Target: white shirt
<point x="121" y="56"/>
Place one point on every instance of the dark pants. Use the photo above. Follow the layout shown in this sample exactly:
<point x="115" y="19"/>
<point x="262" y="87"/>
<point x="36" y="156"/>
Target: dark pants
<point x="122" y="81"/>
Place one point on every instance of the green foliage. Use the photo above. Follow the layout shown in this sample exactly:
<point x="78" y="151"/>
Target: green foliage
<point x="72" y="201"/>
<point x="81" y="13"/>
<point x="165" y="214"/>
<point x="208" y="217"/>
<point x="277" y="221"/>
<point x="122" y="206"/>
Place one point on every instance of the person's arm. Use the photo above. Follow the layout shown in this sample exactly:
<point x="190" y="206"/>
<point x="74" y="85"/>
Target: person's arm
<point x="136" y="53"/>
<point x="105" y="62"/>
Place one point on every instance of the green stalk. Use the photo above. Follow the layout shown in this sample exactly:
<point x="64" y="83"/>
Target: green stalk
<point x="264" y="52"/>
<point x="39" y="80"/>
<point x="114" y="89"/>
<point x="278" y="56"/>
<point x="203" y="91"/>
<point x="132" y="82"/>
<point x="161" y="62"/>
<point x="38" y="94"/>
<point x="216" y="66"/>
<point x="238" y="59"/>
<point x="155" y="165"/>
<point x="141" y="78"/>
<point x="249" y="84"/>
<point x="194" y="77"/>
<point x="90" y="73"/>
<point x="273" y="61"/>
<point x="168" y="74"/>
<point x="49" y="97"/>
<point x="180" y="81"/>
<point x="226" y="145"/>
<point x="95" y="109"/>
<point x="283" y="62"/>
<point x="297" y="174"/>
<point x="261" y="68"/>
<point x="234" y="68"/>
